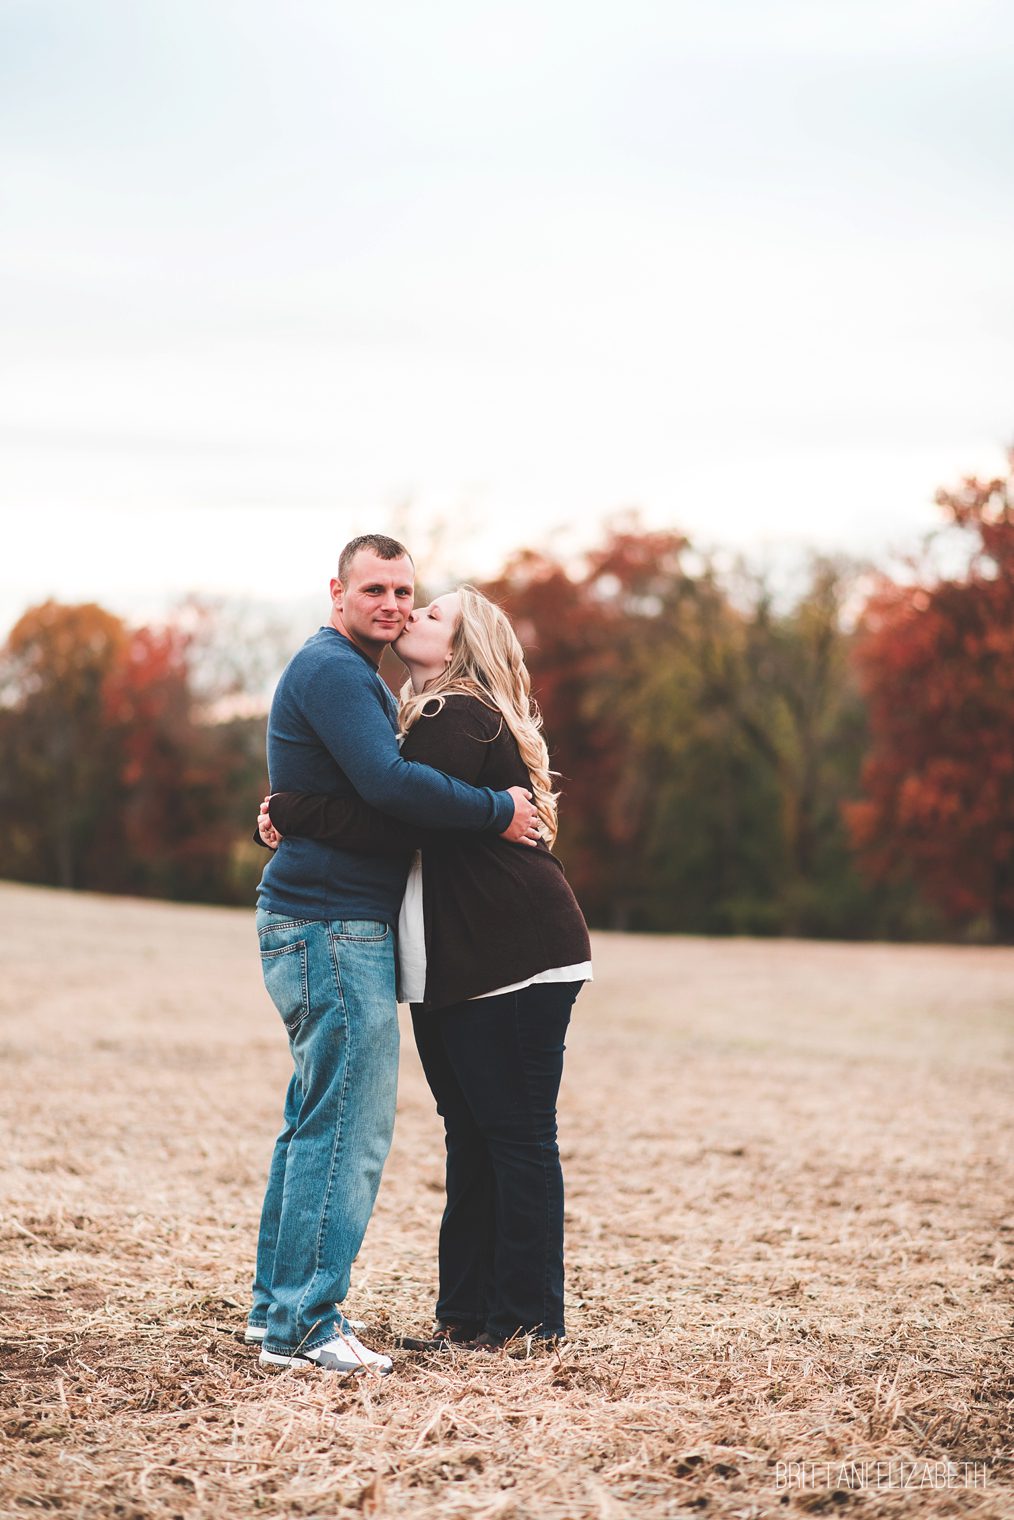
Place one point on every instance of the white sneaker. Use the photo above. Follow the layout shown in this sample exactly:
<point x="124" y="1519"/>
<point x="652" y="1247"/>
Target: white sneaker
<point x="345" y="1353"/>
<point x="253" y="1335"/>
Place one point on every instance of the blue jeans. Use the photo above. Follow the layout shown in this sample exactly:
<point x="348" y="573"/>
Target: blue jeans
<point x="333" y="984"/>
<point x="494" y="1066"/>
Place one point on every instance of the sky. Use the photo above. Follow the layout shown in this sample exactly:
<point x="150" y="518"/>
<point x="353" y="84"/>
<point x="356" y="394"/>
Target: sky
<point x="271" y="276"/>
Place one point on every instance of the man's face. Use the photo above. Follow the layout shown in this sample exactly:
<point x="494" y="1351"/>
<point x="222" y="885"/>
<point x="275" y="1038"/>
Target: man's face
<point x="373" y="604"/>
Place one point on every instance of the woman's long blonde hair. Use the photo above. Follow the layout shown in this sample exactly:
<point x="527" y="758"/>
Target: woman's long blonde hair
<point x="487" y="662"/>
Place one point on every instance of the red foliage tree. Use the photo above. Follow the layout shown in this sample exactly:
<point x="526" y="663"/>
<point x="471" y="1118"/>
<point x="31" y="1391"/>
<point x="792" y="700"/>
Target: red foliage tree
<point x="176" y="831"/>
<point x="937" y="664"/>
<point x="592" y="642"/>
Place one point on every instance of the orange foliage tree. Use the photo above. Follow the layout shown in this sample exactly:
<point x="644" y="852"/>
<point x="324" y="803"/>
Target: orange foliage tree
<point x="937" y="665"/>
<point x="61" y="767"/>
<point x="113" y="779"/>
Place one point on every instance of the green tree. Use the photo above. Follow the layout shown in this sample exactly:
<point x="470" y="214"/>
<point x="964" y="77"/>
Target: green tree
<point x="707" y="737"/>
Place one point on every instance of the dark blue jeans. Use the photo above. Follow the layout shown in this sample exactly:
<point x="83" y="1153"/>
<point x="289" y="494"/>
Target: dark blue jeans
<point x="494" y="1066"/>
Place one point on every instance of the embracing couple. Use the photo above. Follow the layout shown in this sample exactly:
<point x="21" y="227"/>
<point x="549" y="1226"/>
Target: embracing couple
<point x="422" y="871"/>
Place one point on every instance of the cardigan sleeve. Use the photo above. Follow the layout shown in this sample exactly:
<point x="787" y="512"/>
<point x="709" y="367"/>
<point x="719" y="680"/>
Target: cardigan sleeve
<point x="346" y="822"/>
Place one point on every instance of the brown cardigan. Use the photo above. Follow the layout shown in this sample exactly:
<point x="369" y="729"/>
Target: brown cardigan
<point x="494" y="912"/>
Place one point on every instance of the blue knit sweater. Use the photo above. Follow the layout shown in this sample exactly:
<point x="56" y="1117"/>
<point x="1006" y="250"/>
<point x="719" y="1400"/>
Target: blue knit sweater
<point x="332" y="728"/>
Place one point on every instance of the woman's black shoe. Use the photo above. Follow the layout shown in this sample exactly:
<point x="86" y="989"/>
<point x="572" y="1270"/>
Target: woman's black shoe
<point x="444" y="1336"/>
<point x="487" y="1342"/>
<point x="522" y="1347"/>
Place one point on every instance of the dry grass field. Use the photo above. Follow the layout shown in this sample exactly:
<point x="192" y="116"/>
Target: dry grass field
<point x="790" y="1236"/>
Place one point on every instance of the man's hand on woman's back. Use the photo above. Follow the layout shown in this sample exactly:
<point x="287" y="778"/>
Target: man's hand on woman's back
<point x="524" y="827"/>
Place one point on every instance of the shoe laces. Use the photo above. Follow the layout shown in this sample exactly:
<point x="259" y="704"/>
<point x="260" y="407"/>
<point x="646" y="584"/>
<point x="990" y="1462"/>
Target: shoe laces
<point x="355" y="1345"/>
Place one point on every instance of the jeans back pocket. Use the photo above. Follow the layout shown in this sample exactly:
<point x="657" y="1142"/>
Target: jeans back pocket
<point x="285" y="977"/>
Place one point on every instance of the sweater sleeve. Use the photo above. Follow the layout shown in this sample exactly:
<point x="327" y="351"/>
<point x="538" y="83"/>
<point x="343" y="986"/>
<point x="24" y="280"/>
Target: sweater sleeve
<point x="348" y="823"/>
<point x="348" y="715"/>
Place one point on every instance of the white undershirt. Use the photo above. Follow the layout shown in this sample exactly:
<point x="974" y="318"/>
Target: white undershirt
<point x="412" y="950"/>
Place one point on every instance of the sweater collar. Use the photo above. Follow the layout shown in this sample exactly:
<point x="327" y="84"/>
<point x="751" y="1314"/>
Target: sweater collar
<point x="330" y="628"/>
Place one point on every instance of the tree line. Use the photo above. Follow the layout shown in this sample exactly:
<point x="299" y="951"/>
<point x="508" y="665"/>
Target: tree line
<point x="733" y="760"/>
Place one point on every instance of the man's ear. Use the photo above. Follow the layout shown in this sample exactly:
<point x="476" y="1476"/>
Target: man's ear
<point x="337" y="594"/>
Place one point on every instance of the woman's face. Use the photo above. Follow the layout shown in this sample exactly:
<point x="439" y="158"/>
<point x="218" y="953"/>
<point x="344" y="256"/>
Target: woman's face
<point x="426" y="640"/>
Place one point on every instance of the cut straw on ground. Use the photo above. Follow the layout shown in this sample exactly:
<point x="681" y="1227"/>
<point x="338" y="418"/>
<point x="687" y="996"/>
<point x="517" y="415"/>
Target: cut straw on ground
<point x="789" y="1243"/>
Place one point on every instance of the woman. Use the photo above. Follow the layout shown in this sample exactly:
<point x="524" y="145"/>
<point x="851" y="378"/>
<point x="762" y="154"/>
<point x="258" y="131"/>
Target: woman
<point x="493" y="950"/>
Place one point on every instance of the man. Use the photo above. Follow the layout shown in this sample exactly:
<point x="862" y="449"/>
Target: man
<point x="325" y="920"/>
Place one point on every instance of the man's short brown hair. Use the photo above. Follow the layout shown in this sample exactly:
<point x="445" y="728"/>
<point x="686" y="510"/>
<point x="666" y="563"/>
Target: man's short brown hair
<point x="382" y="546"/>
